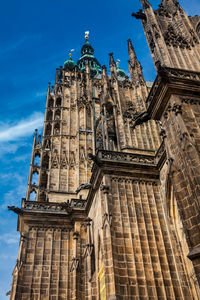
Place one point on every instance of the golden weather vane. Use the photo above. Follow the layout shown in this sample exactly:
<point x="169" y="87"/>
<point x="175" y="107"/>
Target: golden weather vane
<point x="118" y="61"/>
<point x="70" y="53"/>
<point x="87" y="35"/>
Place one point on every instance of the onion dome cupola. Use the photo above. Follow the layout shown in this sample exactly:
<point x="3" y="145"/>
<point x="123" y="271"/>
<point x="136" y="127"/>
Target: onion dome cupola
<point x="120" y="73"/>
<point x="87" y="54"/>
<point x="70" y="63"/>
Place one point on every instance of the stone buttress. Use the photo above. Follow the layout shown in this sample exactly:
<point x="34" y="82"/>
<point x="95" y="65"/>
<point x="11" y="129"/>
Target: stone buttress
<point x="112" y="204"/>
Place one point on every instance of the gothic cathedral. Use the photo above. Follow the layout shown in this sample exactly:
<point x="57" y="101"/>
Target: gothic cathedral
<point x="116" y="213"/>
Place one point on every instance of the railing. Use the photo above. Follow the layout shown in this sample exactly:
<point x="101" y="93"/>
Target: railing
<point x="53" y="206"/>
<point x="126" y="157"/>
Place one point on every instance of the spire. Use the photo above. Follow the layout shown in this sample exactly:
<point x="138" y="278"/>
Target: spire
<point x="131" y="52"/>
<point x="112" y="62"/>
<point x="87" y="54"/>
<point x="135" y="67"/>
<point x="145" y="4"/>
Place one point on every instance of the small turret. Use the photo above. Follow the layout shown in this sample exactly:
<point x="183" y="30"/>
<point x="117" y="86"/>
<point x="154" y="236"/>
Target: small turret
<point x="69" y="64"/>
<point x="120" y="73"/>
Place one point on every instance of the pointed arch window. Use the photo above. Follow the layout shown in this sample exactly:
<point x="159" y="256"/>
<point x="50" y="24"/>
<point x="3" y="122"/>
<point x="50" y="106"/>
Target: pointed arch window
<point x="58" y="102"/>
<point x="32" y="196"/>
<point x="48" y="129"/>
<point x="37" y="159"/>
<point x="49" y="115"/>
<point x="35" y="178"/>
<point x="57" y="128"/>
<point x="45" y="161"/>
<point x="44" y="178"/>
<point x="57" y="114"/>
<point x="51" y="101"/>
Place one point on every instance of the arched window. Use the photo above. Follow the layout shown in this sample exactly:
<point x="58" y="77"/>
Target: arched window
<point x="44" y="178"/>
<point x="47" y="144"/>
<point x="45" y="161"/>
<point x="49" y="115"/>
<point x="48" y="129"/>
<point x="57" y="128"/>
<point x="50" y="104"/>
<point x="58" y="102"/>
<point x="37" y="159"/>
<point x="32" y="196"/>
<point x="34" y="180"/>
<point x="57" y="114"/>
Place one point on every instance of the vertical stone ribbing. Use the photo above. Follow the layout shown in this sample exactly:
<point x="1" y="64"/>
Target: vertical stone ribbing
<point x="139" y="261"/>
<point x="133" y="282"/>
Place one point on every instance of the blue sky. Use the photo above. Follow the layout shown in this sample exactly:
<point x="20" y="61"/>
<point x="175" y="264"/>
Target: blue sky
<point x="35" y="39"/>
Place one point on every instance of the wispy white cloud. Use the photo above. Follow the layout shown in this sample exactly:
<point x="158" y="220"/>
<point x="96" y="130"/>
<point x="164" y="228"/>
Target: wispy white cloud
<point x="13" y="196"/>
<point x="13" y="132"/>
<point x="41" y="94"/>
<point x="17" y="43"/>
<point x="9" y="238"/>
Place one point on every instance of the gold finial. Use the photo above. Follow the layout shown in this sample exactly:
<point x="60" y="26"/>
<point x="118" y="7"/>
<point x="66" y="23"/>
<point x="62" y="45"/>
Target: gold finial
<point x="70" y="54"/>
<point x="117" y="63"/>
<point x="87" y="35"/>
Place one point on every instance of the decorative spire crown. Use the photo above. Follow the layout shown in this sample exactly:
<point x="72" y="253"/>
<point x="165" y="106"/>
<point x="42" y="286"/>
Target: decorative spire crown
<point x="87" y="55"/>
<point x="120" y="72"/>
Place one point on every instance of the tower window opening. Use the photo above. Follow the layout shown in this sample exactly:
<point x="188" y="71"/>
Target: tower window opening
<point x="49" y="115"/>
<point x="57" y="128"/>
<point x="58" y="102"/>
<point x="37" y="160"/>
<point x="34" y="180"/>
<point x="45" y="161"/>
<point x="51" y="101"/>
<point x="57" y="114"/>
<point x="48" y="129"/>
<point x="32" y="196"/>
<point x="44" y="178"/>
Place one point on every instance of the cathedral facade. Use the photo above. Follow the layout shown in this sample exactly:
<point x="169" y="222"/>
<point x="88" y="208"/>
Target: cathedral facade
<point x="115" y="211"/>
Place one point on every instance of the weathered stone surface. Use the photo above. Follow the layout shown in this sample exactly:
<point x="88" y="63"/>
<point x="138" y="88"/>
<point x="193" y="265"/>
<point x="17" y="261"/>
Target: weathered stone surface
<point x="117" y="199"/>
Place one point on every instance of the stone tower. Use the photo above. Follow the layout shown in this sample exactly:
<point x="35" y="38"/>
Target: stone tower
<point x="116" y="208"/>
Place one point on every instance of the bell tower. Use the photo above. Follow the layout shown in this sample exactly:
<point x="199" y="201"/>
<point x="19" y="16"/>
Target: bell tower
<point x="116" y="212"/>
<point x="173" y="39"/>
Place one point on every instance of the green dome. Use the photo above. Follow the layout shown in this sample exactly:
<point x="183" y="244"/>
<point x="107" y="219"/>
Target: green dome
<point x="87" y="48"/>
<point x="120" y="72"/>
<point x="69" y="64"/>
<point x="87" y="54"/>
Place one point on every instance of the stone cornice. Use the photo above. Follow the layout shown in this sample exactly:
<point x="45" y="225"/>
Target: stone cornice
<point x="171" y="81"/>
<point x="51" y="211"/>
<point x="121" y="164"/>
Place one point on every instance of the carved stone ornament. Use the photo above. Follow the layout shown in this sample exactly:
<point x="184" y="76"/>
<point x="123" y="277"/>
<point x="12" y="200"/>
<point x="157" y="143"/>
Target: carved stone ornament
<point x="107" y="219"/>
<point x="172" y="38"/>
<point x="74" y="264"/>
<point x="163" y="11"/>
